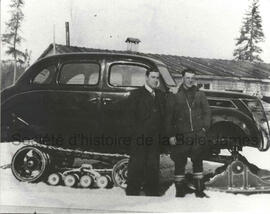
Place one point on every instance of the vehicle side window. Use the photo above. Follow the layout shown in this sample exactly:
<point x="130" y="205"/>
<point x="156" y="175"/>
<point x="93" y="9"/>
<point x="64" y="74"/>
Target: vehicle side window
<point x="127" y="75"/>
<point x="77" y="79"/>
<point x="45" y="75"/>
<point x="81" y="73"/>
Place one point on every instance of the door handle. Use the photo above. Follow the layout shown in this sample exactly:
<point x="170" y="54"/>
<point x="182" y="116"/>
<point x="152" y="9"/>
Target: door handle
<point x="93" y="100"/>
<point x="106" y="100"/>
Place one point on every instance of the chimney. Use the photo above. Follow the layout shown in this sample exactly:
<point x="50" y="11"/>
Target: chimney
<point x="67" y="34"/>
<point x="132" y="44"/>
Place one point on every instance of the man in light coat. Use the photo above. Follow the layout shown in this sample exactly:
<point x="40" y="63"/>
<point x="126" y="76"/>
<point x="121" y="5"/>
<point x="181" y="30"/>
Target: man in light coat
<point x="187" y="120"/>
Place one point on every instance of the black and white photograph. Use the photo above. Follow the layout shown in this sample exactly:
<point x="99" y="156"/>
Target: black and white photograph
<point x="135" y="106"/>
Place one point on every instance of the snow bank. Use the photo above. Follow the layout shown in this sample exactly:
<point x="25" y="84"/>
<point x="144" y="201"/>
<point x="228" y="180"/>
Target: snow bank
<point x="14" y="193"/>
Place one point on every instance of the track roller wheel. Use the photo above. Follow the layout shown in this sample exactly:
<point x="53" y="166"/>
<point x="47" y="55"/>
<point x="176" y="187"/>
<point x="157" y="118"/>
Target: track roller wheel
<point x="102" y="182"/>
<point x="86" y="181"/>
<point x="54" y="179"/>
<point x="71" y="180"/>
<point x="110" y="184"/>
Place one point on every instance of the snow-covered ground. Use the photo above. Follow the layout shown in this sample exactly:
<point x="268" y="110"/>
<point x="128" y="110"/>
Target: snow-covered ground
<point x="44" y="198"/>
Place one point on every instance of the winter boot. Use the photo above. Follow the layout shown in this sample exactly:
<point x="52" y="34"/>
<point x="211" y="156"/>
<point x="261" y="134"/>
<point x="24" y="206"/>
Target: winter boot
<point x="180" y="189"/>
<point x="199" y="188"/>
<point x="188" y="189"/>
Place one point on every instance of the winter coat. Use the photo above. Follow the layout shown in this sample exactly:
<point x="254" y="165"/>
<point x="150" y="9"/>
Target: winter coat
<point x="184" y="117"/>
<point x="140" y="107"/>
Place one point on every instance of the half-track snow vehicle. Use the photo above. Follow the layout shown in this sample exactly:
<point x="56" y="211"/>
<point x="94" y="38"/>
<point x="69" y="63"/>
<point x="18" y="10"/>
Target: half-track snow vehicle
<point x="73" y="106"/>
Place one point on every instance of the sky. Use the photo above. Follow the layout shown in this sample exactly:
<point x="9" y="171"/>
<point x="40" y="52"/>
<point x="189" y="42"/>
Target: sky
<point x="195" y="28"/>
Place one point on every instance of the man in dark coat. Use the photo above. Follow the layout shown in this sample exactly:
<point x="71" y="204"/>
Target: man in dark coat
<point x="187" y="120"/>
<point x="146" y="113"/>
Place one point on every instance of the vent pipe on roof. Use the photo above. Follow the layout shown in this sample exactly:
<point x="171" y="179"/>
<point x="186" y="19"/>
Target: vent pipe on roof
<point x="67" y="34"/>
<point x="132" y="44"/>
<point x="54" y="48"/>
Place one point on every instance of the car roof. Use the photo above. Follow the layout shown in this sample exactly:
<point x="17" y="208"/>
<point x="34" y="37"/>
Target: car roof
<point x="105" y="54"/>
<point x="213" y="93"/>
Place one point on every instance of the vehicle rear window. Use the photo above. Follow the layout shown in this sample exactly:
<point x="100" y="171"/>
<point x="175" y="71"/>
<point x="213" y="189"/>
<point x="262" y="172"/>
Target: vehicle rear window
<point x="127" y="75"/>
<point x="82" y="73"/>
<point x="45" y="75"/>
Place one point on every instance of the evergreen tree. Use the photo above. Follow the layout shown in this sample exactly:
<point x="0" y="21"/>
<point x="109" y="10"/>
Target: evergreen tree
<point x="12" y="37"/>
<point x="27" y="57"/>
<point x="251" y="34"/>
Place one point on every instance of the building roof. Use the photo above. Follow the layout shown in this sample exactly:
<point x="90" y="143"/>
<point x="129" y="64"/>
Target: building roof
<point x="202" y="66"/>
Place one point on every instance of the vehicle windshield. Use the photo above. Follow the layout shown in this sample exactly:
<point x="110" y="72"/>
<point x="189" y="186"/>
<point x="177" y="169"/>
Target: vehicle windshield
<point x="166" y="76"/>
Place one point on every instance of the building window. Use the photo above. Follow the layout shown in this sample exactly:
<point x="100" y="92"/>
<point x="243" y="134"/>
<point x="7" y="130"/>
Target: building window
<point x="204" y="85"/>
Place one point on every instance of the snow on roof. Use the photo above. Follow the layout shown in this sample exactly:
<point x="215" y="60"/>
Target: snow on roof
<point x="202" y="66"/>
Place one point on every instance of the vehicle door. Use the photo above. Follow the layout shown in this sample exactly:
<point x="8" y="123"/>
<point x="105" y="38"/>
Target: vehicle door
<point x="25" y="107"/>
<point x="77" y="101"/>
<point x="122" y="76"/>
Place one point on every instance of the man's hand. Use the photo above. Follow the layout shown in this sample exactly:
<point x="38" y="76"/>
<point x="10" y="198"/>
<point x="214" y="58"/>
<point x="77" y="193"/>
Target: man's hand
<point x="174" y="90"/>
<point x="172" y="141"/>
